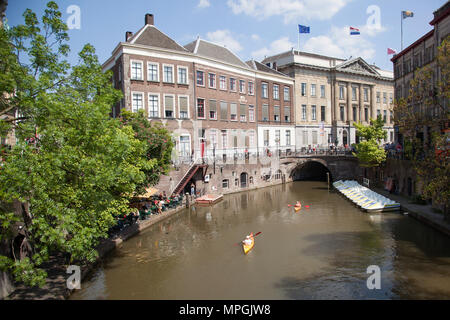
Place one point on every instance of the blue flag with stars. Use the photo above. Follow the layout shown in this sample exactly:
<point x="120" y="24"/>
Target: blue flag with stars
<point x="303" y="29"/>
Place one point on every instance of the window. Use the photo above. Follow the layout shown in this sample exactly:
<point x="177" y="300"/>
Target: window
<point x="137" y="102"/>
<point x="366" y="114"/>
<point x="378" y="96"/>
<point x="276" y="113"/>
<point x="250" y="180"/>
<point x="378" y="113"/>
<point x="233" y="111"/>
<point x="241" y="86"/>
<point x="303" y="111"/>
<point x="224" y="139"/>
<point x="236" y="182"/>
<point x="243" y="113"/>
<point x="266" y="138"/>
<point x="313" y="112"/>
<point x="201" y="108"/>
<point x="251" y="138"/>
<point x="223" y="111"/>
<point x="185" y="146"/>
<point x="152" y="72"/>
<point x="251" y="113"/>
<point x="322" y="113"/>
<point x="120" y="72"/>
<point x="287" y="94"/>
<point x="288" y="137"/>
<point x="168" y="74"/>
<point x="225" y="184"/>
<point x="391" y="117"/>
<point x="354" y="93"/>
<point x="342" y="113"/>
<point x="200" y="78"/>
<point x="305" y="137"/>
<point x="183" y="103"/>
<point x="169" y="101"/>
<point x="354" y="113"/>
<point x="313" y="90"/>
<point x="277" y="137"/>
<point x="232" y="84"/>
<point x="314" y="137"/>
<point x="276" y="92"/>
<point x="264" y="90"/>
<point x="223" y="83"/>
<point x="287" y="114"/>
<point x="322" y="91"/>
<point x="265" y="112"/>
<point x="212" y="80"/>
<point x="251" y="88"/>
<point x="303" y="89"/>
<point x="390" y="98"/>
<point x="136" y="70"/>
<point x="384" y="116"/>
<point x="213" y="109"/>
<point x="341" y="92"/>
<point x="182" y="75"/>
<point x="213" y="138"/>
<point x="153" y="106"/>
<point x="366" y="94"/>
<point x="384" y="97"/>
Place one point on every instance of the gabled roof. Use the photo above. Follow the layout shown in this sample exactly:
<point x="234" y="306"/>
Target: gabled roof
<point x="212" y="50"/>
<point x="357" y="65"/>
<point x="149" y="35"/>
<point x="262" y="67"/>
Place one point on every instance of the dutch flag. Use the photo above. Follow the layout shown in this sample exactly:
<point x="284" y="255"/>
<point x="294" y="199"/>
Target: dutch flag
<point x="354" y="31"/>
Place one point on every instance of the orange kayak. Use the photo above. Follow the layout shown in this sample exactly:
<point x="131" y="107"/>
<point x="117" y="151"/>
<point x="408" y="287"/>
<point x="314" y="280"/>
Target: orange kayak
<point x="249" y="247"/>
<point x="297" y="208"/>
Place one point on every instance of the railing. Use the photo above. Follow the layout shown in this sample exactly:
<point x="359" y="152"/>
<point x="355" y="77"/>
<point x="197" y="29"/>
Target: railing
<point x="234" y="154"/>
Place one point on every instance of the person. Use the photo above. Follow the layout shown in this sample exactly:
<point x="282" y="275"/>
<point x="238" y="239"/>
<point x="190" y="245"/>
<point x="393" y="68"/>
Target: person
<point x="247" y="241"/>
<point x="160" y="205"/>
<point x="192" y="190"/>
<point x="164" y="194"/>
<point x="298" y="204"/>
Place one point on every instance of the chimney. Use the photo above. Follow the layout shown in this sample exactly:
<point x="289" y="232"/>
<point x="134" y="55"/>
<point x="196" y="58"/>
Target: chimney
<point x="149" y="19"/>
<point x="128" y="35"/>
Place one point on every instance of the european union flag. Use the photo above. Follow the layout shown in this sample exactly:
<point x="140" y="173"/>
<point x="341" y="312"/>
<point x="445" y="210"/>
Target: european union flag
<point x="303" y="29"/>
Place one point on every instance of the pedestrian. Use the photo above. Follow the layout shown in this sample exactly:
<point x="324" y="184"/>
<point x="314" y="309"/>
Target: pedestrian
<point x="192" y="190"/>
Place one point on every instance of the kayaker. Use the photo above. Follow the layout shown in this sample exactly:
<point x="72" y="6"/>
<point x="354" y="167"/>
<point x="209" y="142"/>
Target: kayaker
<point x="247" y="241"/>
<point x="298" y="204"/>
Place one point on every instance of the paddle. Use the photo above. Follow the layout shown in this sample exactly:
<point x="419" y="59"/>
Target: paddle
<point x="256" y="234"/>
<point x="292" y="205"/>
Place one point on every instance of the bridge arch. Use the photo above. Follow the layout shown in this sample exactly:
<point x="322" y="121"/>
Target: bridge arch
<point x="314" y="169"/>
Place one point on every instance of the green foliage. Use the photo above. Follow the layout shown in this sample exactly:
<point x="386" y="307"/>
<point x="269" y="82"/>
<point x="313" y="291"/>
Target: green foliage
<point x="159" y="145"/>
<point x="368" y="151"/>
<point x="82" y="167"/>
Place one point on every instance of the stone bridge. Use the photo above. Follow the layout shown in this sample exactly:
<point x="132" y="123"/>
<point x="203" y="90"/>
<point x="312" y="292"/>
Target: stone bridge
<point x="315" y="167"/>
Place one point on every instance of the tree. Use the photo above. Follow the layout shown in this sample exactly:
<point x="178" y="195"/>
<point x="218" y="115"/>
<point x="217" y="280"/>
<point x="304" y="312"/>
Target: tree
<point x="159" y="145"/>
<point x="423" y="119"/>
<point x="76" y="167"/>
<point x="368" y="151"/>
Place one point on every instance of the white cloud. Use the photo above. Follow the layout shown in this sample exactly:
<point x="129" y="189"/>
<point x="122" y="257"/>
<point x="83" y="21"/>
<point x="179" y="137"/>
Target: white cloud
<point x="224" y="38"/>
<point x="203" y="4"/>
<point x="255" y="37"/>
<point x="340" y="44"/>
<point x="291" y="10"/>
<point x="277" y="46"/>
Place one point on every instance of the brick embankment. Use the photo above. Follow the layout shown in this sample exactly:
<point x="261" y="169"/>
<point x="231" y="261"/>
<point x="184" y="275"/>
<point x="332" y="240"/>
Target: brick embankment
<point x="423" y="213"/>
<point x="55" y="287"/>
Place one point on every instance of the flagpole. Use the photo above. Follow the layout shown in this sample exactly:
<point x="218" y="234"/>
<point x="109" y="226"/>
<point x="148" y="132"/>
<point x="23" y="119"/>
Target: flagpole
<point x="298" y="41"/>
<point x="401" y="28"/>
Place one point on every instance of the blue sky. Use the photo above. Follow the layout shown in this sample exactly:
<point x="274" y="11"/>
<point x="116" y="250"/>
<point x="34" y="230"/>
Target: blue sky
<point x="251" y="28"/>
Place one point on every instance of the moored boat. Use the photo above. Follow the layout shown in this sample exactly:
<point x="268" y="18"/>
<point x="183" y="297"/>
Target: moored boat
<point x="209" y="199"/>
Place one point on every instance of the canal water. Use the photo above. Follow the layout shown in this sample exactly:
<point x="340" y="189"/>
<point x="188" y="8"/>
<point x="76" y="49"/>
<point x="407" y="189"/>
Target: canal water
<point x="320" y="252"/>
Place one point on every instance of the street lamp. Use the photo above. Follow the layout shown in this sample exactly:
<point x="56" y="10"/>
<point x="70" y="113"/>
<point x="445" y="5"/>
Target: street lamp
<point x="214" y="156"/>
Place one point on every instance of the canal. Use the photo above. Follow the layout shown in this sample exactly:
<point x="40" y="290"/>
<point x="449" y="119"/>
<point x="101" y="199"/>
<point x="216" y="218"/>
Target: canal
<point x="321" y="252"/>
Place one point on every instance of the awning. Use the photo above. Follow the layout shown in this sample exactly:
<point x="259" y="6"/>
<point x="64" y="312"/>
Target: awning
<point x="149" y="192"/>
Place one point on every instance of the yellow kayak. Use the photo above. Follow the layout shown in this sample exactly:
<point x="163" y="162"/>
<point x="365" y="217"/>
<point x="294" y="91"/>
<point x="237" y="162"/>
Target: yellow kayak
<point x="249" y="247"/>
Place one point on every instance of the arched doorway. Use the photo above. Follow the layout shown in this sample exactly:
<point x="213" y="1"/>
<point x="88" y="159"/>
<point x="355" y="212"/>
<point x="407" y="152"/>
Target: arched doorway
<point x="244" y="179"/>
<point x="344" y="137"/>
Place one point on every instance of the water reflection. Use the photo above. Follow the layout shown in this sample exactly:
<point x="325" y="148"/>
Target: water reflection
<point x="320" y="252"/>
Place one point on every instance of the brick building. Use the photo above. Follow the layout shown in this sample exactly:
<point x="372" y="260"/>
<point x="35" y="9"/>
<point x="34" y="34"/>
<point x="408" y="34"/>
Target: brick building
<point x="206" y="95"/>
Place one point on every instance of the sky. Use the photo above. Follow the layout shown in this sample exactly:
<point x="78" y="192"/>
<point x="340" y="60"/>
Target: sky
<point x="252" y="29"/>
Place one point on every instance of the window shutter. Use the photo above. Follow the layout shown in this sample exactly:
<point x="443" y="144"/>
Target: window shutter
<point x="212" y="105"/>
<point x="223" y="111"/>
<point x="243" y="110"/>
<point x="183" y="104"/>
<point x="169" y="103"/>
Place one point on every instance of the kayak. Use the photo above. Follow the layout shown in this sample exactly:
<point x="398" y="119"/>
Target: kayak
<point x="249" y="247"/>
<point x="297" y="208"/>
